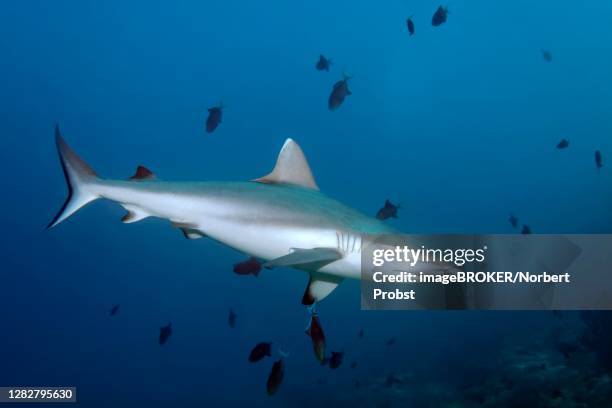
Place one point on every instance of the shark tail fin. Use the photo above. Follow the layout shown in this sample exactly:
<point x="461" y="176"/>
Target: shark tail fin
<point x="79" y="177"/>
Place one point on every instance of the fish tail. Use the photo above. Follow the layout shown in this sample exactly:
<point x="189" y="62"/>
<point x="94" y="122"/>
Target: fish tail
<point x="312" y="312"/>
<point x="79" y="179"/>
<point x="312" y="309"/>
<point x="346" y="75"/>
<point x="282" y="353"/>
<point x="307" y="329"/>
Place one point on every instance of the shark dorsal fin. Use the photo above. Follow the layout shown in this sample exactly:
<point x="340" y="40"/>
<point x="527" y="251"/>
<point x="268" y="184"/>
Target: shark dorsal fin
<point x="291" y="168"/>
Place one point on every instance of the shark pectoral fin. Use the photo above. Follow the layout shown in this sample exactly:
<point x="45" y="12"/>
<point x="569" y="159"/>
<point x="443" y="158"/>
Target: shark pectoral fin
<point x="319" y="286"/>
<point x="133" y="214"/>
<point x="302" y="257"/>
<point x="291" y="168"/>
<point x="189" y="231"/>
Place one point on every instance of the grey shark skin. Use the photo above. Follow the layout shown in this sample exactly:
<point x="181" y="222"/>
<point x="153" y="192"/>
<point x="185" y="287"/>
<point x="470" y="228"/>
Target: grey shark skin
<point x="282" y="218"/>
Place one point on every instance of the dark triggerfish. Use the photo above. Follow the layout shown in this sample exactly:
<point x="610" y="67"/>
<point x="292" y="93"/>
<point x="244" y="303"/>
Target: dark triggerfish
<point x="323" y="63"/>
<point x="276" y="376"/>
<point x="114" y="310"/>
<point x="335" y="360"/>
<point x="315" y="332"/>
<point x="388" y="211"/>
<point x="164" y="333"/>
<point x="439" y="16"/>
<point x="391" y="380"/>
<point x="260" y="351"/>
<point x="339" y="92"/>
<point x="249" y="267"/>
<point x="231" y="318"/>
<point x="215" y="114"/>
<point x="598" y="160"/>
<point x="410" y="25"/>
<point x="513" y="220"/>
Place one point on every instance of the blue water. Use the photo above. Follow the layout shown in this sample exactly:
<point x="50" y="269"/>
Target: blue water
<point x="458" y="123"/>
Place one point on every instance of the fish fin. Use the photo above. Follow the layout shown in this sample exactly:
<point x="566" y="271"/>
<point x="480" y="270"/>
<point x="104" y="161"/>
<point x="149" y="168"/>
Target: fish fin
<point x="190" y="231"/>
<point x="319" y="286"/>
<point x="142" y="173"/>
<point x="301" y="257"/>
<point x="133" y="214"/>
<point x="192" y="234"/>
<point x="312" y="310"/>
<point x="79" y="177"/>
<point x="291" y="168"/>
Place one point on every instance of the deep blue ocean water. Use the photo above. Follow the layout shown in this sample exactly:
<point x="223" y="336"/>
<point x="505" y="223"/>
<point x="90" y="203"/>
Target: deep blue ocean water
<point x="458" y="123"/>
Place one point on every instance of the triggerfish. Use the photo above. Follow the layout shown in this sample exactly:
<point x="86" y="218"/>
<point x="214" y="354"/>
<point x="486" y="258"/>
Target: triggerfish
<point x="315" y="332"/>
<point x="275" y="378"/>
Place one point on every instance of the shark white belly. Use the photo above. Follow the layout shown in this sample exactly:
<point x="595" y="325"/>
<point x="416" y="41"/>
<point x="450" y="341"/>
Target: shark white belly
<point x="282" y="218"/>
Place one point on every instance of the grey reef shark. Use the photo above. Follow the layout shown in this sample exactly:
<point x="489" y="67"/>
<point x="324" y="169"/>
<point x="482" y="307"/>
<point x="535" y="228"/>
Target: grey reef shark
<point x="281" y="218"/>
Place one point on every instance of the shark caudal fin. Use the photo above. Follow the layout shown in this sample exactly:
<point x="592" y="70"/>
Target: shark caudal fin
<point x="78" y="178"/>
